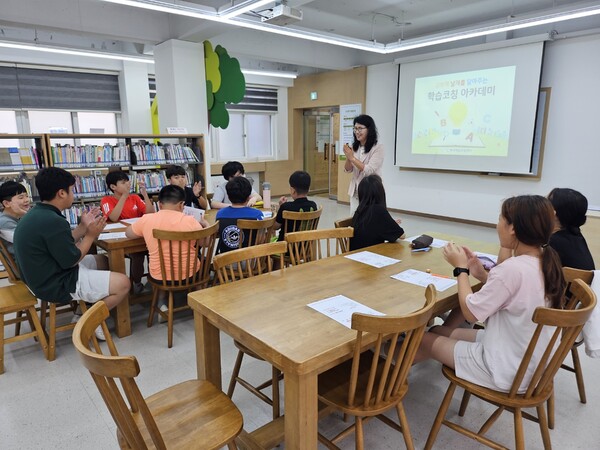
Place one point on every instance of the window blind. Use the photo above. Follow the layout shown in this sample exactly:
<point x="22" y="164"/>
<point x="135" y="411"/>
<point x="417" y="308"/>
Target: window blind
<point x="257" y="99"/>
<point x="55" y="89"/>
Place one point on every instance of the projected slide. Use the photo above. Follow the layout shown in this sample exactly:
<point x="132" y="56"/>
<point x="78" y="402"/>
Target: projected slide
<point x="465" y="113"/>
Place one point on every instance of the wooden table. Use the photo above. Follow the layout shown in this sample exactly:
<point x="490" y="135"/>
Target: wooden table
<point x="116" y="250"/>
<point x="268" y="314"/>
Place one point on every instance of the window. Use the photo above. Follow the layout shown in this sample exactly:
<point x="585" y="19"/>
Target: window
<point x="50" y="121"/>
<point x="8" y="125"/>
<point x="248" y="137"/>
<point x="97" y="123"/>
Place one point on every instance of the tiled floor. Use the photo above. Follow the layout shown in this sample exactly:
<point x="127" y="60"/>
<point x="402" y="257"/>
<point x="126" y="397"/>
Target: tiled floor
<point x="56" y="405"/>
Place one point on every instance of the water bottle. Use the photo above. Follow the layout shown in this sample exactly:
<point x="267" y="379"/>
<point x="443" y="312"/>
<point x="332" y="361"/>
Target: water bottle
<point x="266" y="195"/>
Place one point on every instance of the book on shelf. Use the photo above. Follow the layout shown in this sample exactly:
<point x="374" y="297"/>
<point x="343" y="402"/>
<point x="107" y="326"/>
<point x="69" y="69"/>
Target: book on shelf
<point x="89" y="155"/>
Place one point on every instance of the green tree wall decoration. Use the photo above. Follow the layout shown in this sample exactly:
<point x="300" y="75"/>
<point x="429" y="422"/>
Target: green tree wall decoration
<point x="225" y="83"/>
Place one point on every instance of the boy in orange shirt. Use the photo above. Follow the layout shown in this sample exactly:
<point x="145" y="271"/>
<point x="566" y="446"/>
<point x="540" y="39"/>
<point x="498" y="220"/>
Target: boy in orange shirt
<point x="121" y="205"/>
<point x="170" y="217"/>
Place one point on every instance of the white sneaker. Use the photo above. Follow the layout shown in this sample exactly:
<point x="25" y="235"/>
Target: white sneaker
<point x="165" y="309"/>
<point x="99" y="333"/>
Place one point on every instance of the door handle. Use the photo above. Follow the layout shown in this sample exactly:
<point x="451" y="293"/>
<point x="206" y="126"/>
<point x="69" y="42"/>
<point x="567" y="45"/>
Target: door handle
<point x="333" y="154"/>
<point x="325" y="151"/>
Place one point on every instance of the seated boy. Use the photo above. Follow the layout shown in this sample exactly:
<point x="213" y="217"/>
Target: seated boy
<point x="170" y="217"/>
<point x="15" y="204"/>
<point x="193" y="195"/>
<point x="299" y="187"/>
<point x="230" y="237"/>
<point x="53" y="260"/>
<point x="221" y="198"/>
<point x="124" y="205"/>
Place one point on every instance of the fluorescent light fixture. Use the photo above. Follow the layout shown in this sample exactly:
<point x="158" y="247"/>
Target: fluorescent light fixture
<point x="75" y="52"/>
<point x="242" y="8"/>
<point x="228" y="17"/>
<point x="270" y="73"/>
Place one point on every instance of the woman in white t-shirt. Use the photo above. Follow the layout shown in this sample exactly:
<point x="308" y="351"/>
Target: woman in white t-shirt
<point x="364" y="157"/>
<point x="530" y="278"/>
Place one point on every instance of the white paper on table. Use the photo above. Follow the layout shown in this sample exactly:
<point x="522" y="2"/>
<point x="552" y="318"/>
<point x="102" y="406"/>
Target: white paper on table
<point x="437" y="243"/>
<point x="340" y="308"/>
<point x="113" y="226"/>
<point x="109" y="236"/>
<point x="420" y="278"/>
<point x="194" y="212"/>
<point x="373" y="259"/>
<point x="267" y="214"/>
<point x="130" y="221"/>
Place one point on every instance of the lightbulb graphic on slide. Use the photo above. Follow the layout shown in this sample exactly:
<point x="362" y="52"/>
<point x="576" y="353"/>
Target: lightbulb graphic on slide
<point x="457" y="114"/>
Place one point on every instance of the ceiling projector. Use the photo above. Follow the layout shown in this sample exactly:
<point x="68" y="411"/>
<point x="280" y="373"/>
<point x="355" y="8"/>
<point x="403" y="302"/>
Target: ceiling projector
<point x="282" y="15"/>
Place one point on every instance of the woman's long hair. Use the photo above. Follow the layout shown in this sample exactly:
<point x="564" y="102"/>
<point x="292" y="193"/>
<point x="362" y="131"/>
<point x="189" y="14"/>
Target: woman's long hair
<point x="532" y="218"/>
<point x="370" y="192"/>
<point x="366" y="121"/>
<point x="570" y="207"/>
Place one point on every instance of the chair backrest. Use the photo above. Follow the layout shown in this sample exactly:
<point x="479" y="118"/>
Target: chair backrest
<point x="256" y="232"/>
<point x="186" y="256"/>
<point x="572" y="274"/>
<point x="301" y="221"/>
<point x="107" y="370"/>
<point x="343" y="223"/>
<point x="9" y="263"/>
<point x="566" y="325"/>
<point x="248" y="261"/>
<point x="307" y="246"/>
<point x="387" y="378"/>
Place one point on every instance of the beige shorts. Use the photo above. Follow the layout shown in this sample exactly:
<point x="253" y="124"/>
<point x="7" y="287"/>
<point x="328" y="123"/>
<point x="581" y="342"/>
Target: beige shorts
<point x="469" y="362"/>
<point x="92" y="284"/>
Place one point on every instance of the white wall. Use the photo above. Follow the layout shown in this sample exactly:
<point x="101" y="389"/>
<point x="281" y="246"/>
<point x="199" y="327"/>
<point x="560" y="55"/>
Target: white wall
<point x="571" y="156"/>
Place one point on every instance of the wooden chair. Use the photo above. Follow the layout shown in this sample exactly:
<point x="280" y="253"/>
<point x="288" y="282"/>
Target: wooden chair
<point x="18" y="300"/>
<point x="307" y="246"/>
<point x="570" y="275"/>
<point x="367" y="386"/>
<point x="181" y="253"/>
<point x="568" y="324"/>
<point x="192" y="414"/>
<point x="237" y="265"/>
<point x="47" y="309"/>
<point x="343" y="223"/>
<point x="256" y="232"/>
<point x="301" y="221"/>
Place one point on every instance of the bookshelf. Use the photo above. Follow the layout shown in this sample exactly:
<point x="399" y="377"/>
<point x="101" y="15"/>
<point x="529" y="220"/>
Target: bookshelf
<point x="21" y="156"/>
<point x="144" y="157"/>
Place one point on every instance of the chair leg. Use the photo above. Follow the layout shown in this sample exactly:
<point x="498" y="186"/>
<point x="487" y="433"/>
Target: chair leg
<point x="37" y="327"/>
<point x="1" y="343"/>
<point x="359" y="434"/>
<point x="43" y="313"/>
<point x="519" y="437"/>
<point x="52" y="333"/>
<point x="578" y="374"/>
<point x="235" y="373"/>
<point x="464" y="403"/>
<point x="404" y="424"/>
<point x="18" y="324"/>
<point x="275" y="392"/>
<point x="170" y="319"/>
<point x="152" y="306"/>
<point x="544" y="427"/>
<point x="437" y="423"/>
<point x="550" y="406"/>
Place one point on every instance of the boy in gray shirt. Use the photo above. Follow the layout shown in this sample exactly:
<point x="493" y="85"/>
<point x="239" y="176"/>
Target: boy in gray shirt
<point x="15" y="204"/>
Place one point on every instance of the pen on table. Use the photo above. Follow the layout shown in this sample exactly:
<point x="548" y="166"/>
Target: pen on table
<point x="426" y="249"/>
<point x="440" y="276"/>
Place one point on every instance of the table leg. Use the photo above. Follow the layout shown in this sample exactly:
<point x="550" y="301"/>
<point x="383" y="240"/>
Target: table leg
<point x="208" y="350"/>
<point x="301" y="411"/>
<point x="116" y="263"/>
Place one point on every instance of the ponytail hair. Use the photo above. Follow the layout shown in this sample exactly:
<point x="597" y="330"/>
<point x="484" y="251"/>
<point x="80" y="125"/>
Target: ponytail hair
<point x="532" y="218"/>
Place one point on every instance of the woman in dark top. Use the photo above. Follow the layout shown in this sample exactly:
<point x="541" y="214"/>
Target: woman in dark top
<point x="570" y="208"/>
<point x="372" y="222"/>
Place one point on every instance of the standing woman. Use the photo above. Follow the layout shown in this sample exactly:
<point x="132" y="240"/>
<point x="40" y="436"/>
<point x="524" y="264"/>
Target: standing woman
<point x="365" y="157"/>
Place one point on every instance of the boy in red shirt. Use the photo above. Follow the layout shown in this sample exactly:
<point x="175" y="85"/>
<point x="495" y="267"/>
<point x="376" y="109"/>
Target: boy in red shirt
<point x="122" y="205"/>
